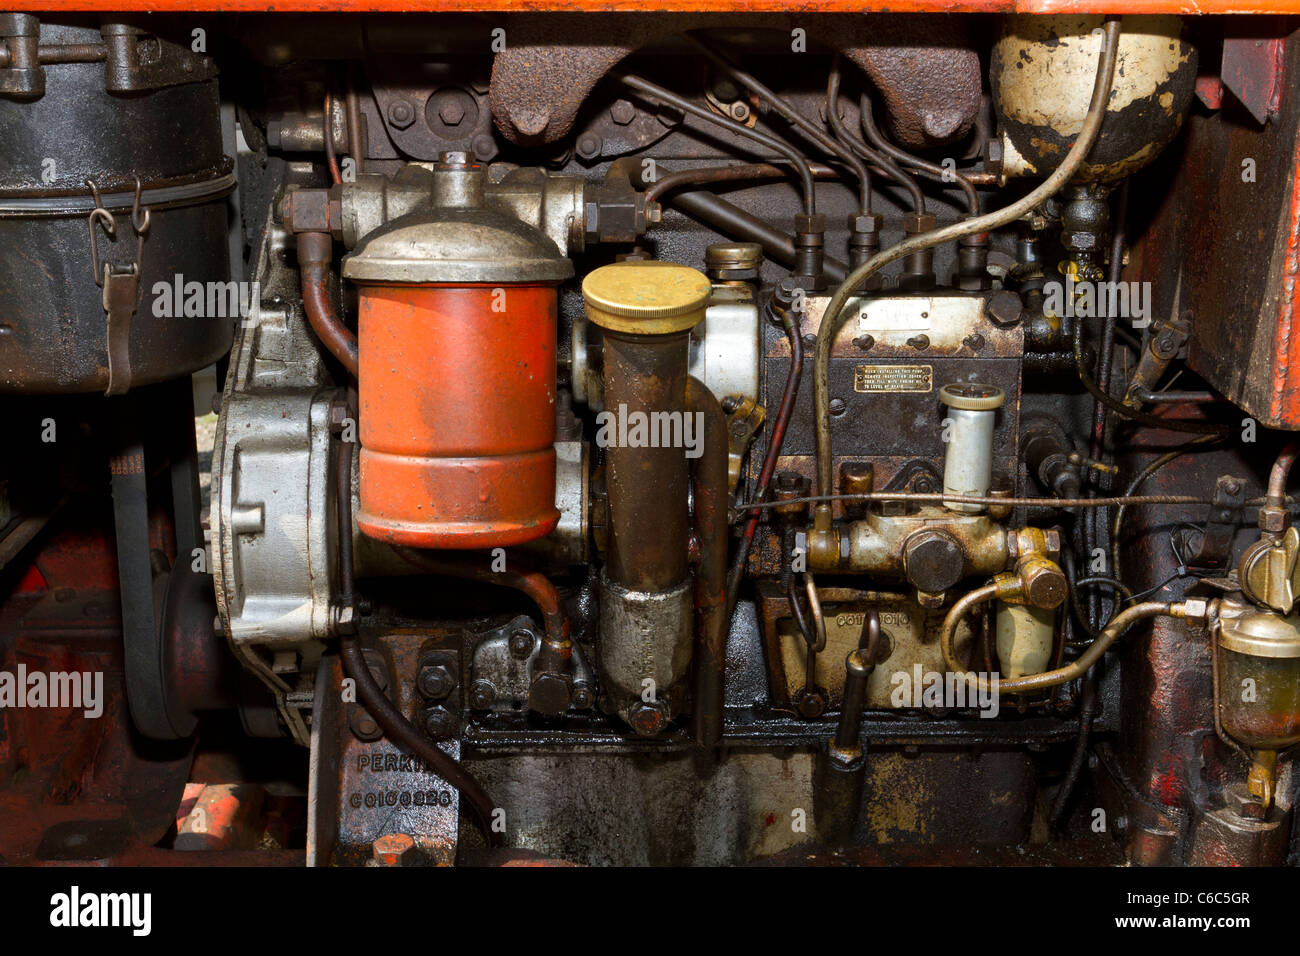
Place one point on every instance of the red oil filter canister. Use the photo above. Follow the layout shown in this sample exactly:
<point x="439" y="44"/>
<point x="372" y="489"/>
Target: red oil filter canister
<point x="456" y="330"/>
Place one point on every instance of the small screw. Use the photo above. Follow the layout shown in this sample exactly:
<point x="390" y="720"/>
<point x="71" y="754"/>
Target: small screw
<point x="363" y="726"/>
<point x="838" y="407"/>
<point x="919" y="342"/>
<point x="865" y="342"/>
<point x="974" y="342"/>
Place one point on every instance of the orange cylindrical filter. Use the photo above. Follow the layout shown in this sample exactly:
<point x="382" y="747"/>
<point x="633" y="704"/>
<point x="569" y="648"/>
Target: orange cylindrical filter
<point x="456" y="332"/>
<point x="457" y="415"/>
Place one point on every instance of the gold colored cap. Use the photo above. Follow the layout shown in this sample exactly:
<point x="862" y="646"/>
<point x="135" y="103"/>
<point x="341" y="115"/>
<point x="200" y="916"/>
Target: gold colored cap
<point x="646" y="297"/>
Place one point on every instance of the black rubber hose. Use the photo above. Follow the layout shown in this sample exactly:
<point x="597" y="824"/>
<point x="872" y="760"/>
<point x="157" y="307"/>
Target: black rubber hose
<point x="391" y="720"/>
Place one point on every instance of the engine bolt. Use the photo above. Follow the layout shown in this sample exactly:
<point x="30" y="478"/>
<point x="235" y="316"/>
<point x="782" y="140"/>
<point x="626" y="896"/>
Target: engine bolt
<point x="521" y="644"/>
<point x="482" y="695"/>
<point x="401" y="114"/>
<point x="435" y="681"/>
<point x="622" y="112"/>
<point x="439" y="722"/>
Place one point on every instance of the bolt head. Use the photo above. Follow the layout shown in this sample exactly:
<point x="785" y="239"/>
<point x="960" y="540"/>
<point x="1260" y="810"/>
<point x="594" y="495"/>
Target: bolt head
<point x="482" y="695"/>
<point x="451" y="112"/>
<point x="1004" y="308"/>
<point x="435" y="681"/>
<point x="648" y="720"/>
<point x="522" y="644"/>
<point x="548" y="694"/>
<point x="810" y="704"/>
<point x="589" y="145"/>
<point x="485" y="147"/>
<point x="439" y="722"/>
<point x="1043" y="583"/>
<point x="396" y="849"/>
<point x="622" y="112"/>
<point x="363" y="726"/>
<point x="401" y="113"/>
<point x="933" y="561"/>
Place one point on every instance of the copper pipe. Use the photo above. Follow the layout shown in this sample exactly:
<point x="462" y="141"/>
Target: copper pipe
<point x="330" y="158"/>
<point x="315" y="252"/>
<point x="1277" y="478"/>
<point x="964" y="605"/>
<point x="533" y="584"/>
<point x="1072" y="671"/>
<point x="777" y="438"/>
<point x="352" y="106"/>
<point x="709" y="513"/>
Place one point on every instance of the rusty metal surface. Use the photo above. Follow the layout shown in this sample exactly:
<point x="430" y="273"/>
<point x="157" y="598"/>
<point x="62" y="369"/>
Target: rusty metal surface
<point x="926" y="71"/>
<point x="364" y="787"/>
<point x="74" y="787"/>
<point x="1232" y="206"/>
<point x="1254" y="69"/>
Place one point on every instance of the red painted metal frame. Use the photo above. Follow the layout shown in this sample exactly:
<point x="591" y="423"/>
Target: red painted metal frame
<point x="1185" y="7"/>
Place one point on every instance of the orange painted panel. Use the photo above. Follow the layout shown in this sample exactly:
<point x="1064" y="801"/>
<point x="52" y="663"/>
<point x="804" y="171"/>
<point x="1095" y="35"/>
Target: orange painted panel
<point x="1189" y="7"/>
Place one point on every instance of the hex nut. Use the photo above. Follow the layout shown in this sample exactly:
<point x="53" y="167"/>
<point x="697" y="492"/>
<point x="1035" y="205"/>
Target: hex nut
<point x="435" y="681"/>
<point x="810" y="223"/>
<point x="1274" y="520"/>
<point x="915" y="223"/>
<point x="648" y="720"/>
<point x="482" y="695"/>
<point x="396" y="849"/>
<point x="933" y="561"/>
<point x="622" y="112"/>
<point x="401" y="114"/>
<point x="439" y="722"/>
<point x="862" y="223"/>
<point x="549" y="694"/>
<point x="521" y="644"/>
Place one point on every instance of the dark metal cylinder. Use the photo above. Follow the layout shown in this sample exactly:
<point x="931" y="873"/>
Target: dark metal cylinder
<point x="137" y="108"/>
<point x="648" y="521"/>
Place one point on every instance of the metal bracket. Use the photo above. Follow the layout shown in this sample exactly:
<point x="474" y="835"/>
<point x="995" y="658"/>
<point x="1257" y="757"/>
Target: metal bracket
<point x="121" y="285"/>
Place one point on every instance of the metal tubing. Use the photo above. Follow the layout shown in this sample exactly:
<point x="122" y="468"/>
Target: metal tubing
<point x="315" y="252"/>
<point x="709" y="473"/>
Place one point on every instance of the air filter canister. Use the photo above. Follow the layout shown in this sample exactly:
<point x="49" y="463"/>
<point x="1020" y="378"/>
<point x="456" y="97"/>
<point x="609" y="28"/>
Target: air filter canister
<point x="456" y="329"/>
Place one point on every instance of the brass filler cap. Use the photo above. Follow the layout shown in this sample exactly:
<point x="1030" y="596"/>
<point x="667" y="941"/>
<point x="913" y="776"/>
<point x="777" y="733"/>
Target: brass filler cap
<point x="646" y="297"/>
